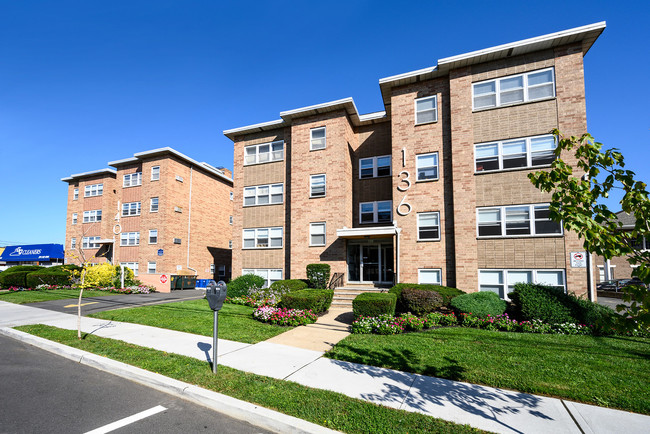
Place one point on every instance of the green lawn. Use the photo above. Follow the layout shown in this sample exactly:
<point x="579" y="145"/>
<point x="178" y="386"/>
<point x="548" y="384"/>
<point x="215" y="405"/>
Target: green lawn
<point x="606" y="371"/>
<point x="322" y="407"/>
<point x="22" y="297"/>
<point x="194" y="316"/>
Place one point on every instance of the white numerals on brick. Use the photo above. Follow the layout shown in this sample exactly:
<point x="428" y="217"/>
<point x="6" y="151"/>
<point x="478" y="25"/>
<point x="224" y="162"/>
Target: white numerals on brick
<point x="405" y="204"/>
<point x="406" y="180"/>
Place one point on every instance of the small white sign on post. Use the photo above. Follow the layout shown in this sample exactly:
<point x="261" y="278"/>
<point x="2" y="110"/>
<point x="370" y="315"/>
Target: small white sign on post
<point x="578" y="260"/>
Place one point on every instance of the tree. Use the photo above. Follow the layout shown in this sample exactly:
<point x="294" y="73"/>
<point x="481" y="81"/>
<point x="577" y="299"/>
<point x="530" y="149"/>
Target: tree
<point x="576" y="202"/>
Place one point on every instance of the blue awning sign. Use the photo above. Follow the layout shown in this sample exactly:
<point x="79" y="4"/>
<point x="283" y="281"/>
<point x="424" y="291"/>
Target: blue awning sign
<point x="33" y="252"/>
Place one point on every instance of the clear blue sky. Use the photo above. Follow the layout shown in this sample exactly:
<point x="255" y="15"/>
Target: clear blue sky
<point x="87" y="82"/>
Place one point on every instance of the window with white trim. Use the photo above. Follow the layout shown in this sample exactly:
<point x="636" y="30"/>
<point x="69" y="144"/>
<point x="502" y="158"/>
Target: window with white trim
<point x="130" y="239"/>
<point x="374" y="167"/>
<point x="264" y="153"/>
<point x="231" y="220"/>
<point x="74" y="218"/>
<point x="151" y="268"/>
<point x="426" y="110"/>
<point x="514" y="89"/>
<point x="317" y="185"/>
<point x="153" y="204"/>
<point x="75" y="194"/>
<point x="641" y="243"/>
<point x="155" y="174"/>
<point x="132" y="179"/>
<point x="502" y="282"/>
<point x="230" y="244"/>
<point x="432" y="276"/>
<point x="317" y="234"/>
<point x="516" y="220"/>
<point x="73" y="243"/>
<point x="131" y="209"/>
<point x="268" y="194"/>
<point x="317" y="138"/>
<point x="93" y="190"/>
<point x="212" y="269"/>
<point x="92" y="216"/>
<point x="222" y="272"/>
<point x="232" y="196"/>
<point x="153" y="236"/>
<point x="427" y="166"/>
<point x="90" y="243"/>
<point x="513" y="154"/>
<point x="263" y="238"/>
<point x="429" y="226"/>
<point x="134" y="266"/>
<point x="268" y="274"/>
<point x="376" y="212"/>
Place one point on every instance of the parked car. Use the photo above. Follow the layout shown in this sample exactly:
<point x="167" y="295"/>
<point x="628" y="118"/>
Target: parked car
<point x="617" y="284"/>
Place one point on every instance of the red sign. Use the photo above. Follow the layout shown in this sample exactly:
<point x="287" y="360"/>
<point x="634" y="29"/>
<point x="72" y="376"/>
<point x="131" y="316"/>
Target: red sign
<point x="163" y="278"/>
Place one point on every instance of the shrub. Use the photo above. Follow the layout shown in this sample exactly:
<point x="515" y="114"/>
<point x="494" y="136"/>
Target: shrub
<point x="17" y="268"/>
<point x="245" y="285"/>
<point x="374" y="304"/>
<point x="480" y="304"/>
<point x="419" y="301"/>
<point x="318" y="275"/>
<point x="284" y="317"/>
<point x="105" y="274"/>
<point x="411" y="323"/>
<point x="382" y="325"/>
<point x="316" y="300"/>
<point x="16" y="278"/>
<point x="435" y="319"/>
<point x="289" y="285"/>
<point x="446" y="292"/>
<point x="36" y="278"/>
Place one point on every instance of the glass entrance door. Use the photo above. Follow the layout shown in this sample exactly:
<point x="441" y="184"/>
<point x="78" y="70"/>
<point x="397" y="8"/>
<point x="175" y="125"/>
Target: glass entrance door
<point x="370" y="263"/>
<point x="370" y="260"/>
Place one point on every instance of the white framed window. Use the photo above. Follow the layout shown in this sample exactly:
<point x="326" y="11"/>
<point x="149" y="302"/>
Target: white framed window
<point x="270" y="275"/>
<point x="373" y="167"/>
<point x="231" y="220"/>
<point x="230" y="244"/>
<point x="151" y="268"/>
<point x="73" y="243"/>
<point x="132" y="179"/>
<point x="232" y="196"/>
<point x="212" y="269"/>
<point x="429" y="226"/>
<point x="427" y="166"/>
<point x="516" y="220"/>
<point x="132" y="265"/>
<point x="263" y="238"/>
<point x="503" y="282"/>
<point x="153" y="236"/>
<point x="641" y="243"/>
<point x="317" y="139"/>
<point x="222" y="272"/>
<point x="75" y="218"/>
<point x="130" y="239"/>
<point x="75" y="194"/>
<point x="317" y="185"/>
<point x="153" y="204"/>
<point x="264" y="153"/>
<point x="426" y="110"/>
<point x="155" y="174"/>
<point x="92" y="216"/>
<point x="432" y="276"/>
<point x="513" y="154"/>
<point x="317" y="234"/>
<point x="514" y="89"/>
<point x="376" y="212"/>
<point x="601" y="272"/>
<point x="93" y="190"/>
<point x="131" y="209"/>
<point x="90" y="243"/>
<point x="269" y="194"/>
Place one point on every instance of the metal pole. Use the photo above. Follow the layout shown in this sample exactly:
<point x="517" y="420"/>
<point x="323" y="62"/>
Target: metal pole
<point x="215" y="339"/>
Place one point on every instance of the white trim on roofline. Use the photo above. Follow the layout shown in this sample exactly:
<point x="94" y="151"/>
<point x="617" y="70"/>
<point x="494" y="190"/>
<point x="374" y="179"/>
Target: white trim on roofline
<point x="320" y="106"/>
<point x="252" y="127"/>
<point x="91" y="173"/>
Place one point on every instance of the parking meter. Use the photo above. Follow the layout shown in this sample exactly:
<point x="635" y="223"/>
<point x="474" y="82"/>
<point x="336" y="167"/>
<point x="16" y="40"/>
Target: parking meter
<point x="215" y="292"/>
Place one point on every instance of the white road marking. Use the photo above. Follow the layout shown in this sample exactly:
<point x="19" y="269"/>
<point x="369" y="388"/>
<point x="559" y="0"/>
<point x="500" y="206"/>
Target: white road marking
<point x="127" y="420"/>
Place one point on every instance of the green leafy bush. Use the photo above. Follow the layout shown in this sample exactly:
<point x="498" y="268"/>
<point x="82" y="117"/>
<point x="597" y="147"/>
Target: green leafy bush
<point x="289" y="285"/>
<point x="316" y="300"/>
<point x="16" y="278"/>
<point x="35" y="278"/>
<point x="318" y="275"/>
<point x="446" y="292"/>
<point x="245" y="285"/>
<point x="374" y="304"/>
<point x="480" y="304"/>
<point x="420" y="301"/>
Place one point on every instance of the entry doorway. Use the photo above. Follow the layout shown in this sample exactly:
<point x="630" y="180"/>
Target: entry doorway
<point x="370" y="262"/>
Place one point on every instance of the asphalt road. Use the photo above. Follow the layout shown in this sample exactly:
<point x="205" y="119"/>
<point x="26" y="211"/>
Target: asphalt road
<point x="45" y="393"/>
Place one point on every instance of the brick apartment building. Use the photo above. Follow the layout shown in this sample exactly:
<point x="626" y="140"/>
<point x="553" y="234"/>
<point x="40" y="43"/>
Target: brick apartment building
<point x="158" y="212"/>
<point x="433" y="189"/>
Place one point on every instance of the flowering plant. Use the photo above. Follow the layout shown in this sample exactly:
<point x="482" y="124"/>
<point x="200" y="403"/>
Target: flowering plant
<point x="284" y="317"/>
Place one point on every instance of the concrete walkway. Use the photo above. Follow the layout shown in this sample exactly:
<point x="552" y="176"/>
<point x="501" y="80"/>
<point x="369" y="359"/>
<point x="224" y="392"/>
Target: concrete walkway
<point x="488" y="408"/>
<point x="328" y="330"/>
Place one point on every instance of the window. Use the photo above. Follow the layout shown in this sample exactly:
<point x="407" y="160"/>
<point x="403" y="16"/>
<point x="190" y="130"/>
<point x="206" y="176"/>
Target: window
<point x="73" y="243"/>
<point x="130" y="209"/>
<point x="264" y="153"/>
<point x="374" y="167"/>
<point x="90" y="243"/>
<point x="93" y="190"/>
<point x="153" y="236"/>
<point x="130" y="239"/>
<point x="376" y="212"/>
<point x="132" y="265"/>
<point x="153" y="204"/>
<point x="92" y="216"/>
<point x="317" y="186"/>
<point x="429" y="276"/>
<point x="263" y="194"/>
<point x="519" y="220"/>
<point x="270" y="275"/>
<point x="212" y="269"/>
<point x="74" y="218"/>
<point x="75" y="194"/>
<point x="155" y="176"/>
<point x="177" y="240"/>
<point x="232" y="196"/>
<point x="132" y="179"/>
<point x="641" y="243"/>
<point x="230" y="244"/>
<point x="263" y="238"/>
<point x="512" y="154"/>
<point x="427" y="166"/>
<point x="428" y="226"/>
<point x="222" y="272"/>
<point x="317" y="234"/>
<point x="514" y="89"/>
<point x="426" y="110"/>
<point x="317" y="139"/>
<point x="503" y="282"/>
<point x="151" y="268"/>
<point x="231" y="220"/>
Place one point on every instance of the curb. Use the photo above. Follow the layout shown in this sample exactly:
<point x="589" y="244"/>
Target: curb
<point x="258" y="416"/>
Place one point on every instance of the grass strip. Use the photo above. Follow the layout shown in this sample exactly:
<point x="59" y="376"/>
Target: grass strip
<point x="236" y="322"/>
<point x="330" y="409"/>
<point x="605" y="371"/>
<point x="23" y="297"/>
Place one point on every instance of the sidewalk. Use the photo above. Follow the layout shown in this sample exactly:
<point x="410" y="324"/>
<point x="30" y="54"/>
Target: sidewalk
<point x="483" y="407"/>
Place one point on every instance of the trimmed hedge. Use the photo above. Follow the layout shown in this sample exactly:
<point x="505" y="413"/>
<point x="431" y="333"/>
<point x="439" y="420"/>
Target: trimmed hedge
<point x="480" y="304"/>
<point x="36" y="278"/>
<point x="420" y="301"/>
<point x="245" y="285"/>
<point x="289" y="285"/>
<point x="316" y="300"/>
<point x="17" y="278"/>
<point x="17" y="268"/>
<point x="318" y="275"/>
<point x="446" y="292"/>
<point x="374" y="304"/>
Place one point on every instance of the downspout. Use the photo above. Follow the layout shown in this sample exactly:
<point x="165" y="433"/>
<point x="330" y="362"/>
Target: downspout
<point x="189" y="222"/>
<point x="398" y="231"/>
<point x="590" y="278"/>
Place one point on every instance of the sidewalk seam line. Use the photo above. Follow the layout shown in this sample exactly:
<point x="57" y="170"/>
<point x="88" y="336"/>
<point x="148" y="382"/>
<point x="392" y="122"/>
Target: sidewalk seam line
<point x="408" y="392"/>
<point x="572" y="417"/>
<point x="302" y="367"/>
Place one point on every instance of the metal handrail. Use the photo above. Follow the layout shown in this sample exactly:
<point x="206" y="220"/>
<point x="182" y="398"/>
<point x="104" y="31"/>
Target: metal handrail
<point x="337" y="280"/>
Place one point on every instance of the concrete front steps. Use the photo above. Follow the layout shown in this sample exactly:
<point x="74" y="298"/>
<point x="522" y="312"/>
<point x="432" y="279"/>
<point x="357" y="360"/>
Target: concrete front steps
<point x="343" y="295"/>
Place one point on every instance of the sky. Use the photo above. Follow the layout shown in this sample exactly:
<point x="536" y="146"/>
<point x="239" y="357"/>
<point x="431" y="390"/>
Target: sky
<point x="84" y="82"/>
